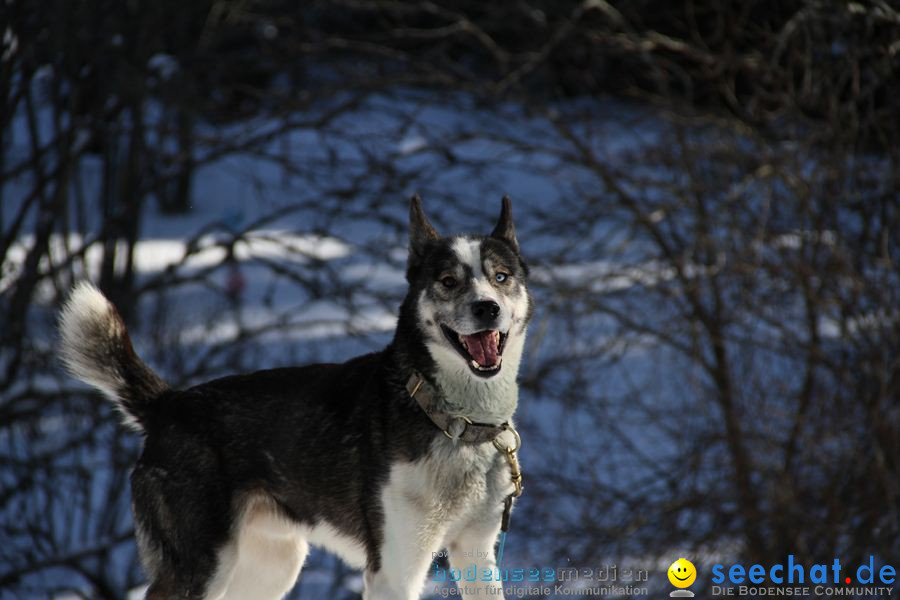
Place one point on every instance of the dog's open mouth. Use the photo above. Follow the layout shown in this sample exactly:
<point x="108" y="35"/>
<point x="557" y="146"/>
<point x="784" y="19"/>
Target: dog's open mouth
<point x="483" y="350"/>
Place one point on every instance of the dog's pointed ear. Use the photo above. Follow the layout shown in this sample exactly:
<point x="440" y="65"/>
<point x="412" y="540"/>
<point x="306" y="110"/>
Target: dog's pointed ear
<point x="421" y="231"/>
<point x="505" y="230"/>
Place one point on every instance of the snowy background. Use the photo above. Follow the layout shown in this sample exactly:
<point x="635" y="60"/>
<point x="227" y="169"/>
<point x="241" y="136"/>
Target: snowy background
<point x="712" y="369"/>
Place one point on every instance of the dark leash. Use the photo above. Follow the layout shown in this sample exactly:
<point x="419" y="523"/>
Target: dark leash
<point x="473" y="433"/>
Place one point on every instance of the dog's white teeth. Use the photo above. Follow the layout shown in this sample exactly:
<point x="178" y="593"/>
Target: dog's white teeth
<point x="462" y="341"/>
<point x="497" y="336"/>
<point x="475" y="365"/>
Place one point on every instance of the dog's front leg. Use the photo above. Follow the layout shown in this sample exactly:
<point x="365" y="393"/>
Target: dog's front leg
<point x="473" y="547"/>
<point x="411" y="536"/>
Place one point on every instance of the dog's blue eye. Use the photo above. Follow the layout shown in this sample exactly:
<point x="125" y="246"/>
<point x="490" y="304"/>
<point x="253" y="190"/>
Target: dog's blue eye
<point x="501" y="277"/>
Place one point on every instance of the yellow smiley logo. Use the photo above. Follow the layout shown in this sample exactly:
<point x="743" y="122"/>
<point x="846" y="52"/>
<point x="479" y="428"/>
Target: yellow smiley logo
<point x="682" y="573"/>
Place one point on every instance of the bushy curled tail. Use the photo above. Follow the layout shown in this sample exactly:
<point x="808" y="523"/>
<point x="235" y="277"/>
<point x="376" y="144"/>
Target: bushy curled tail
<point x="96" y="349"/>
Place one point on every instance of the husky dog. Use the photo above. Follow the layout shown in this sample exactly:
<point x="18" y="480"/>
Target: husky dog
<point x="383" y="460"/>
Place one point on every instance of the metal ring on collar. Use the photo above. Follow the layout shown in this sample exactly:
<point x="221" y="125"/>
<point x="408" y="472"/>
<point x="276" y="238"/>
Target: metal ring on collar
<point x="518" y="439"/>
<point x="467" y="421"/>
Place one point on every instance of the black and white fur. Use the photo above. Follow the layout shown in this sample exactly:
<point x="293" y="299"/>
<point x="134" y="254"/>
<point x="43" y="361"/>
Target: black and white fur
<point x="240" y="475"/>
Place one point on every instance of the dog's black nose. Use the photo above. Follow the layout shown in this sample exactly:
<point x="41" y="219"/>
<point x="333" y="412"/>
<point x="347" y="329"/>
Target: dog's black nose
<point x="485" y="310"/>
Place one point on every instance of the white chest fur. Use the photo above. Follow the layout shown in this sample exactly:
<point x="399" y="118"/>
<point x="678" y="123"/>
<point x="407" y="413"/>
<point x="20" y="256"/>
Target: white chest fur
<point x="450" y="499"/>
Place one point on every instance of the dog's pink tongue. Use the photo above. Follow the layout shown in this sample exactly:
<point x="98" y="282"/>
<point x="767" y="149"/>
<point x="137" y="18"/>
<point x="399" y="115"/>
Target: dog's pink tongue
<point x="483" y="348"/>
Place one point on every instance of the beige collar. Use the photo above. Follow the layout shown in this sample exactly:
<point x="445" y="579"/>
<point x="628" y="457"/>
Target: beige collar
<point x="472" y="433"/>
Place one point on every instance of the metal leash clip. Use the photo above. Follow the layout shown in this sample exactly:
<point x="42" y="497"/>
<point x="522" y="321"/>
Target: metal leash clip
<point x="512" y="458"/>
<point x="516" y="477"/>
